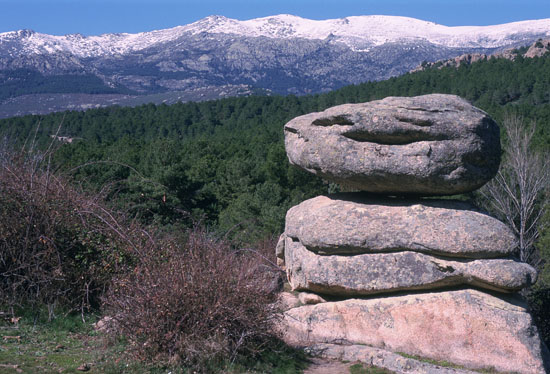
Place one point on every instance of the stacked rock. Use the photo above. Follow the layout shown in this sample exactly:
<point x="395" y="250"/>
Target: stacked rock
<point x="439" y="270"/>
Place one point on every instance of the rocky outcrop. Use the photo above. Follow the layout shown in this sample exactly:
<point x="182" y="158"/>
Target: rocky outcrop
<point x="356" y="224"/>
<point x="465" y="327"/>
<point x="286" y="301"/>
<point x="425" y="145"/>
<point x="412" y="260"/>
<point x="538" y="49"/>
<point x="376" y="273"/>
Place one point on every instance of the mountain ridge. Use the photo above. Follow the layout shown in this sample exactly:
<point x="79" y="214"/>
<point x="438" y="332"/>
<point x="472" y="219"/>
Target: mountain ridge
<point x="354" y="31"/>
<point x="282" y="54"/>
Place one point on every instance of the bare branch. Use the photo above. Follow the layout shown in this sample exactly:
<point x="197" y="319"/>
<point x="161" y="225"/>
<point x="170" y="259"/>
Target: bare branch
<point x="518" y="194"/>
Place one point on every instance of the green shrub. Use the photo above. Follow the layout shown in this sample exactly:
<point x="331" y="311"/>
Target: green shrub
<point x="539" y="305"/>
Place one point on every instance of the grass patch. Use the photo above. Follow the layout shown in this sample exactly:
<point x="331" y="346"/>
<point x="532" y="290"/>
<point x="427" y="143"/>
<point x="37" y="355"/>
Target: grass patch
<point x="35" y="346"/>
<point x="31" y="346"/>
<point x="451" y="365"/>
<point x="280" y="359"/>
<point x="360" y="368"/>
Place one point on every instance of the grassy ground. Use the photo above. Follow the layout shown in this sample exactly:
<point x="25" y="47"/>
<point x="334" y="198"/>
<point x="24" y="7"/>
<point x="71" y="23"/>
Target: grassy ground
<point x="68" y="345"/>
<point x="28" y="345"/>
<point x="363" y="369"/>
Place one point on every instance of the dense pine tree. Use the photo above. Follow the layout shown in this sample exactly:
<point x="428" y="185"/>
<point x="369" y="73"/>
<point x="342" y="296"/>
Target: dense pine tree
<point x="223" y="161"/>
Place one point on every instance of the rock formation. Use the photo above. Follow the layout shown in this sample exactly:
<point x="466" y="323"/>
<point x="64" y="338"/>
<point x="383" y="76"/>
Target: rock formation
<point x="368" y="274"/>
<point x="465" y="327"/>
<point x="352" y="224"/>
<point x="393" y="271"/>
<point x="426" y="145"/>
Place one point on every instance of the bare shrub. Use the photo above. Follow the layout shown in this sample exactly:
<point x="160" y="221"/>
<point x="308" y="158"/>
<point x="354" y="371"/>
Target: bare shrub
<point x="194" y="300"/>
<point x="58" y="246"/>
<point x="185" y="298"/>
<point x="519" y="192"/>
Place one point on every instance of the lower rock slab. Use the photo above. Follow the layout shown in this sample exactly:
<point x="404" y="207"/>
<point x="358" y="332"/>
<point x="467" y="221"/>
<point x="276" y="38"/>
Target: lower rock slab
<point x="376" y="357"/>
<point x="465" y="327"/>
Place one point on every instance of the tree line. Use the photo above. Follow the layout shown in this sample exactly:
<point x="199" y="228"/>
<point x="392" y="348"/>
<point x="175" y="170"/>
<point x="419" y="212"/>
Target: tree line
<point x="223" y="162"/>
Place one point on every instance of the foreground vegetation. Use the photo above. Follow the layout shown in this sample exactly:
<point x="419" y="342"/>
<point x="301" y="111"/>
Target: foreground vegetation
<point x="69" y="345"/>
<point x="30" y="346"/>
<point x="106" y="224"/>
<point x="177" y="299"/>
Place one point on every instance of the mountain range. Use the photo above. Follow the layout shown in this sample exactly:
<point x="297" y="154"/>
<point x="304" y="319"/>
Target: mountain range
<point x="217" y="56"/>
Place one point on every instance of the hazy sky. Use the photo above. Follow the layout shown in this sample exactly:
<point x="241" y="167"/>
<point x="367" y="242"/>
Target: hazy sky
<point x="92" y="17"/>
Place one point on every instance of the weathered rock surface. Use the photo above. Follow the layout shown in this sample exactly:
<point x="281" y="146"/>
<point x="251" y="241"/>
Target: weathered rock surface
<point x="465" y="327"/>
<point x="308" y="298"/>
<point x="280" y="251"/>
<point x="286" y="301"/>
<point x="356" y="224"/>
<point x="374" y="273"/>
<point x="380" y="358"/>
<point x="425" y="145"/>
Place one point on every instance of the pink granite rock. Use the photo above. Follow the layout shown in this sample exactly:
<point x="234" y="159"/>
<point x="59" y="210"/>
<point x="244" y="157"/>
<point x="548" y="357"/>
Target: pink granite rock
<point x="465" y="327"/>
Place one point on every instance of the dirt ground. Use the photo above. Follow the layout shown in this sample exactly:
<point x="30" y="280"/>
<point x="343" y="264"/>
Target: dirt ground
<point x="323" y="366"/>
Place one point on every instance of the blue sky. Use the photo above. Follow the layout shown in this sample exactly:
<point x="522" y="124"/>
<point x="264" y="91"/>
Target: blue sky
<point x="92" y="17"/>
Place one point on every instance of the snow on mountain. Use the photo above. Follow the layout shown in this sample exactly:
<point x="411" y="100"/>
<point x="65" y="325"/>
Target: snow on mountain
<point x="283" y="54"/>
<point x="87" y="46"/>
<point x="355" y="32"/>
<point x="374" y="30"/>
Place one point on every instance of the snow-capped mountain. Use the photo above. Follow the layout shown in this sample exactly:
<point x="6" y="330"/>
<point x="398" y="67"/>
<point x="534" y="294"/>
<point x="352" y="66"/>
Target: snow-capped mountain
<point x="354" y="32"/>
<point x="372" y="30"/>
<point x="283" y="53"/>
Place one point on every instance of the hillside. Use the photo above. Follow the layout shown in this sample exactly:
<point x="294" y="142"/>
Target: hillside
<point x="224" y="160"/>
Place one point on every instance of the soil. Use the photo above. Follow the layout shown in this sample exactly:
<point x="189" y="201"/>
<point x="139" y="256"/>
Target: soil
<point x="323" y="366"/>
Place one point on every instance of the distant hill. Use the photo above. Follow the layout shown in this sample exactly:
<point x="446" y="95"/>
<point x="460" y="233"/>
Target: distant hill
<point x="281" y="54"/>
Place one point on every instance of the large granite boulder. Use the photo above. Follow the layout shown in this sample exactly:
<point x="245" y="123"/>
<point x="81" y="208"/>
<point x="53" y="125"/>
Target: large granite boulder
<point x="375" y="273"/>
<point x="425" y="145"/>
<point x="356" y="224"/>
<point x="465" y="327"/>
